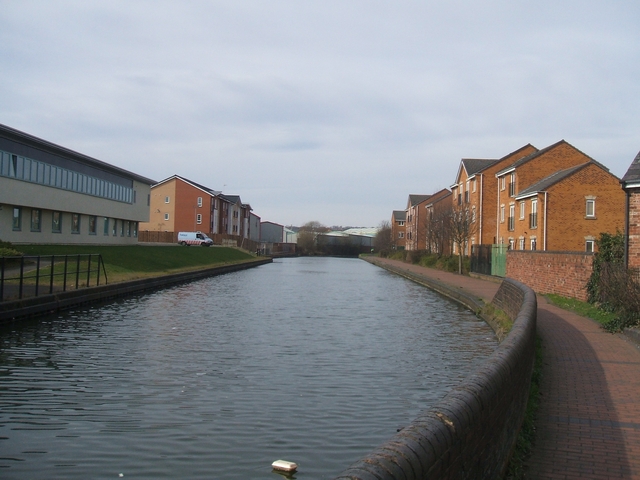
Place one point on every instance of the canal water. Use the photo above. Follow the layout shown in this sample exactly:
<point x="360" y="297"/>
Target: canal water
<point x="311" y="360"/>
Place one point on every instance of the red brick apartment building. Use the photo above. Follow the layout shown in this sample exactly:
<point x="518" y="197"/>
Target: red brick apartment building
<point x="398" y="230"/>
<point x="416" y="222"/>
<point x="178" y="204"/>
<point x="631" y="185"/>
<point x="476" y="186"/>
<point x="557" y="199"/>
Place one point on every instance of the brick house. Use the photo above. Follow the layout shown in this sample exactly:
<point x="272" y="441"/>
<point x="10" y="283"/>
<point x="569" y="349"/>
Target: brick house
<point x="438" y="208"/>
<point x="631" y="185"/>
<point x="178" y="204"/>
<point x="476" y="185"/>
<point x="416" y="222"/>
<point x="398" y="230"/>
<point x="557" y="199"/>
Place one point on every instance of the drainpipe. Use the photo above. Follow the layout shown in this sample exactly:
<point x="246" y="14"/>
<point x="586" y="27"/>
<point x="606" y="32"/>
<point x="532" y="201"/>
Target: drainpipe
<point x="626" y="228"/>
<point x="498" y="215"/>
<point x="480" y="215"/>
<point x="544" y="235"/>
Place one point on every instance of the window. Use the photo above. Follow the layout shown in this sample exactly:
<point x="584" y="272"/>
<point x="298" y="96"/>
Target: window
<point x="533" y="216"/>
<point x="93" y="224"/>
<point x="167" y="199"/>
<point x="401" y="235"/>
<point x="135" y="229"/>
<point x="533" y="244"/>
<point x="122" y="228"/>
<point x="591" y="207"/>
<point x="512" y="185"/>
<point x="512" y="214"/>
<point x="75" y="223"/>
<point x="473" y="214"/>
<point x="522" y="210"/>
<point x="401" y="223"/>
<point x="128" y="229"/>
<point x="17" y="219"/>
<point x="199" y="219"/>
<point x="511" y="244"/>
<point x="521" y="247"/>
<point x="501" y="213"/>
<point x="166" y="216"/>
<point x="589" y="246"/>
<point x="56" y="222"/>
<point x="35" y="220"/>
<point x="199" y="201"/>
<point x="503" y="183"/>
<point x="114" y="230"/>
<point x="106" y="226"/>
<point x="473" y="182"/>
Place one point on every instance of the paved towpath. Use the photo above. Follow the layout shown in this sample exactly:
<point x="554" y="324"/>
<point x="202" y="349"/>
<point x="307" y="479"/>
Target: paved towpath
<point x="588" y="423"/>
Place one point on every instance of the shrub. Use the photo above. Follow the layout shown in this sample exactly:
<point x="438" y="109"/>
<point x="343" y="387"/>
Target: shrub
<point x="613" y="287"/>
<point x="9" y="252"/>
<point x="399" y="255"/>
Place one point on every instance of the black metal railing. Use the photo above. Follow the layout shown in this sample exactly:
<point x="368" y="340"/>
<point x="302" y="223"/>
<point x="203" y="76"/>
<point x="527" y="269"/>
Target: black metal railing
<point x="32" y="276"/>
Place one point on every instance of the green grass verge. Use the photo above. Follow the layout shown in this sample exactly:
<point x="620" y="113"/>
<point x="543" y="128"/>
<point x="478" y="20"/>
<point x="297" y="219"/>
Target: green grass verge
<point x="582" y="308"/>
<point x="128" y="262"/>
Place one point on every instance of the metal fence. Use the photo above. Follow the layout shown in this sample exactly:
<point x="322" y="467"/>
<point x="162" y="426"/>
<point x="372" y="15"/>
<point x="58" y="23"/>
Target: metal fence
<point x="32" y="276"/>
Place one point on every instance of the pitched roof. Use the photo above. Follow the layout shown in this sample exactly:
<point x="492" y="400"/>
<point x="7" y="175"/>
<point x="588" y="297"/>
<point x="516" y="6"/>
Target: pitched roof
<point x="416" y="199"/>
<point x="530" y="157"/>
<point x="399" y="215"/>
<point x="552" y="179"/>
<point x="476" y="165"/>
<point x="197" y="185"/>
<point x="633" y="174"/>
<point x="442" y="194"/>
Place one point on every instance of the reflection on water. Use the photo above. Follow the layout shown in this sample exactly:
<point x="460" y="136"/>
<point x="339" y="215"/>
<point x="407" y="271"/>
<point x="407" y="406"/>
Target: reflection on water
<point x="311" y="360"/>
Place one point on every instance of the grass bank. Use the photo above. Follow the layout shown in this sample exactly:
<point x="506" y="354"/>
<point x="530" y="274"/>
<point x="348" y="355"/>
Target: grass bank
<point x="130" y="262"/>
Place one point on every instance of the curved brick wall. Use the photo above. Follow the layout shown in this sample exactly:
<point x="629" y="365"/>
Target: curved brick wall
<point x="472" y="431"/>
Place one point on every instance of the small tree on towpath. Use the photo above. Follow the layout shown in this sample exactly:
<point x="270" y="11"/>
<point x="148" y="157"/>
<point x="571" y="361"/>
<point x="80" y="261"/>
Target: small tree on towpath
<point x="383" y="242"/>
<point x="462" y="226"/>
<point x="307" y="237"/>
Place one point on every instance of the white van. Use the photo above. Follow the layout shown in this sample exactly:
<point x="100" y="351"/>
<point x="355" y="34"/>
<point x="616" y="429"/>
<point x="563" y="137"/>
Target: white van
<point x="194" y="238"/>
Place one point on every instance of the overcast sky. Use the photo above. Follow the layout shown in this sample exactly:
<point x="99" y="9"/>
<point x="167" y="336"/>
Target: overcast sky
<point x="326" y="110"/>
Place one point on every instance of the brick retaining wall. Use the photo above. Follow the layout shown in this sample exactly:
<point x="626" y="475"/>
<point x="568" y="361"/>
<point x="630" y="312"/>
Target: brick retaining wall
<point x="561" y="273"/>
<point x="471" y="433"/>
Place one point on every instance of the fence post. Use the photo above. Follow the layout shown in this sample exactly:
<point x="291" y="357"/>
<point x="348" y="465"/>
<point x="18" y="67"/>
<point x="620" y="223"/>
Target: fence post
<point x="51" y="276"/>
<point x="89" y="270"/>
<point x="2" y="279"/>
<point x="37" y="274"/>
<point x="64" y="281"/>
<point x="77" y="270"/>
<point x="21" y="277"/>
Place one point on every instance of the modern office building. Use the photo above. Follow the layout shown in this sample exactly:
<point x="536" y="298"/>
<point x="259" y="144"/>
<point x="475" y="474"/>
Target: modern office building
<point x="50" y="194"/>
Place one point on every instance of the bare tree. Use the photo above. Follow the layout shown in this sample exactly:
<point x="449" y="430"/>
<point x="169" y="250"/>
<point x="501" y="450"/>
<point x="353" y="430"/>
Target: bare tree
<point x="462" y="226"/>
<point x="307" y="236"/>
<point x="383" y="241"/>
<point x="439" y="229"/>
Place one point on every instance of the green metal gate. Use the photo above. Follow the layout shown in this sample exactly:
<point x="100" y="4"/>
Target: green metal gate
<point x="499" y="260"/>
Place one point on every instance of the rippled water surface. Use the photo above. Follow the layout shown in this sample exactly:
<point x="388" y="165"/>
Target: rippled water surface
<point x="312" y="360"/>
